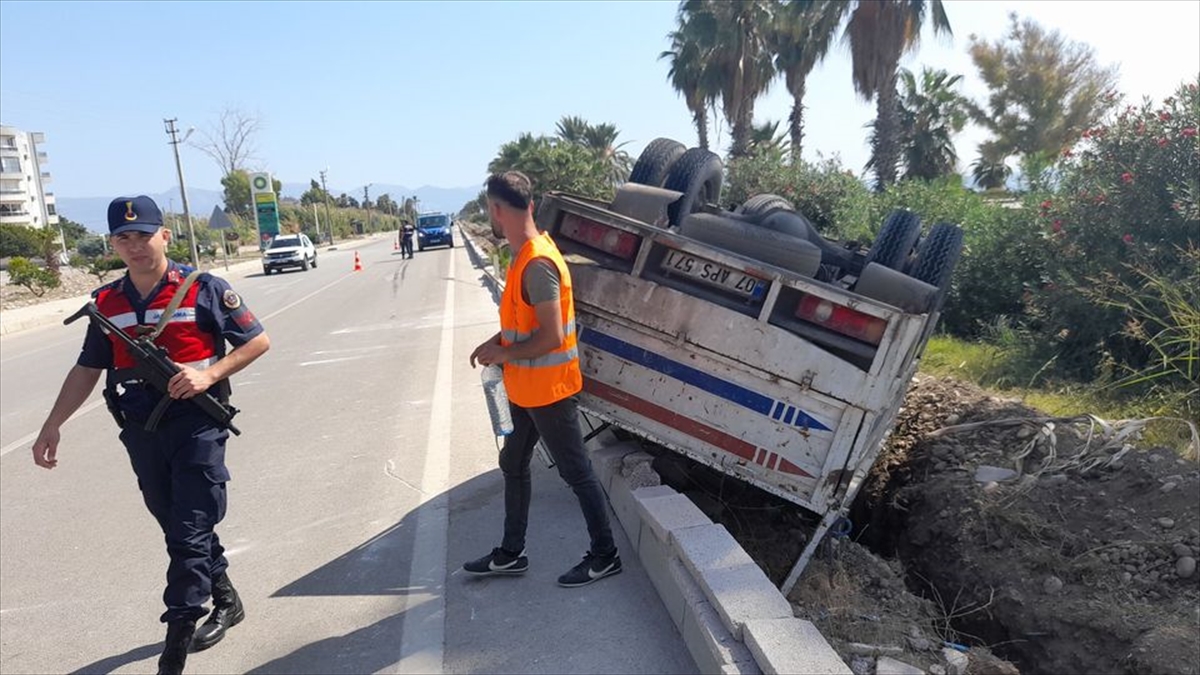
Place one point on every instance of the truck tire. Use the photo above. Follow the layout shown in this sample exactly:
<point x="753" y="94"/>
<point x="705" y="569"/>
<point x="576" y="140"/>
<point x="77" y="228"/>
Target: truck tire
<point x="937" y="256"/>
<point x="698" y="174"/>
<point x="781" y="250"/>
<point x="760" y="206"/>
<point x="895" y="241"/>
<point x="655" y="162"/>
<point x="314" y="262"/>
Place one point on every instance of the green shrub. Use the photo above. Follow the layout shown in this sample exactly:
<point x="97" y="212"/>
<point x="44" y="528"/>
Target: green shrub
<point x="22" y="241"/>
<point x="180" y="252"/>
<point x="23" y="272"/>
<point x="1126" y="206"/>
<point x="836" y="202"/>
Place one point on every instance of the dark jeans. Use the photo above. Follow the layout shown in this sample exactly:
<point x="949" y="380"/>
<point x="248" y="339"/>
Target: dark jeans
<point x="181" y="472"/>
<point x="558" y="426"/>
<point x="406" y="247"/>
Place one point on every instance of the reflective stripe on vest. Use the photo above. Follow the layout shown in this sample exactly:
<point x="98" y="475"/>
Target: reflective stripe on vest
<point x="551" y="377"/>
<point x="182" y="337"/>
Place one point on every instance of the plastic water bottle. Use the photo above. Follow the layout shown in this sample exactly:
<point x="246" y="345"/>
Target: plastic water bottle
<point x="497" y="399"/>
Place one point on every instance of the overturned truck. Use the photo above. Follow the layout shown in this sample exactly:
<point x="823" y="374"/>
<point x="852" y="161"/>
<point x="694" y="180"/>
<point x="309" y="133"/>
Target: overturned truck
<point x="743" y="339"/>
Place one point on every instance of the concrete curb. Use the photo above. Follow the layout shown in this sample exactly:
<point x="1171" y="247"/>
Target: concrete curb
<point x="46" y="313"/>
<point x="731" y="617"/>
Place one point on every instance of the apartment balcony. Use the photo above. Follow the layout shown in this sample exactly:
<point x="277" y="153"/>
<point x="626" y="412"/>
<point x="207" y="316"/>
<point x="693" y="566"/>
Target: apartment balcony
<point x="46" y="178"/>
<point x="37" y="137"/>
<point x="13" y="197"/>
<point x="15" y="217"/>
<point x="12" y="175"/>
<point x="43" y="158"/>
<point x="9" y="151"/>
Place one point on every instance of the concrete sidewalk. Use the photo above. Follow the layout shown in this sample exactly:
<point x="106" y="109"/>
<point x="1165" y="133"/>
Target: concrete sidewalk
<point x="53" y="311"/>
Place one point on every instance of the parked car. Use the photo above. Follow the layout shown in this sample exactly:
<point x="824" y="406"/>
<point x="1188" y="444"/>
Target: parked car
<point x="290" y="250"/>
<point x="433" y="229"/>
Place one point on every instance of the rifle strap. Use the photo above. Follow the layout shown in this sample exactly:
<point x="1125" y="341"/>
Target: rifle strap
<point x="176" y="300"/>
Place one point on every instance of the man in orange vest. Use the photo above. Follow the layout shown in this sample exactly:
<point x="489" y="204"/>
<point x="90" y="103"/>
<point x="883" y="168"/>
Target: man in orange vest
<point x="537" y="346"/>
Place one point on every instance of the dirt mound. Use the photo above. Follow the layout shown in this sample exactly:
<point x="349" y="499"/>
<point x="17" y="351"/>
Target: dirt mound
<point x="1071" y="556"/>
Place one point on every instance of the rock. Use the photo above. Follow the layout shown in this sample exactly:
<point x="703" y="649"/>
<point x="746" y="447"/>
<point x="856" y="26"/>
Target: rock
<point x="1155" y="459"/>
<point x="990" y="487"/>
<point x="1185" y="567"/>
<point x="1126" y="577"/>
<point x="919" y="644"/>
<point x="1165" y="523"/>
<point x="956" y="661"/>
<point x="1025" y="432"/>
<point x="1173" y="478"/>
<point x="989" y="474"/>
<point x="1058" y="479"/>
<point x="886" y="665"/>
<point x="1167" y="487"/>
<point x="1182" y="550"/>
<point x="937" y="669"/>
<point x="860" y="666"/>
<point x="1052" y="585"/>
<point x="873" y="650"/>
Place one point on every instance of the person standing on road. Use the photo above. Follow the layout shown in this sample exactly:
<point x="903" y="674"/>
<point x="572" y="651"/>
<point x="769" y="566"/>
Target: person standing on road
<point x="537" y="346"/>
<point x="180" y="463"/>
<point x="407" y="231"/>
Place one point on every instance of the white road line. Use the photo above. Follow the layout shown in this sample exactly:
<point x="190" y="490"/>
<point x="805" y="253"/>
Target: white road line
<point x="334" y="360"/>
<point x="27" y="439"/>
<point x="423" y="628"/>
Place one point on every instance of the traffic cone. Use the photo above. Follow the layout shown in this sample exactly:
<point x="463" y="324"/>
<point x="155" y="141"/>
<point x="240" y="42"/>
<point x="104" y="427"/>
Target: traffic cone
<point x="396" y="245"/>
<point x="357" y="263"/>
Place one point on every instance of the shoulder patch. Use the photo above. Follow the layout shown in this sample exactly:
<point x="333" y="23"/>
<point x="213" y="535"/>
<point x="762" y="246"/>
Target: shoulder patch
<point x="230" y="299"/>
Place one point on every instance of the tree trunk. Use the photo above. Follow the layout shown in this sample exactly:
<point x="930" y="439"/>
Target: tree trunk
<point x="796" y="122"/>
<point x="887" y="128"/>
<point x="700" y="117"/>
<point x="741" y="132"/>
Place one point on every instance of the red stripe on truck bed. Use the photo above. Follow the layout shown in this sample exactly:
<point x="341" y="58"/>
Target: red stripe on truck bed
<point x="703" y="432"/>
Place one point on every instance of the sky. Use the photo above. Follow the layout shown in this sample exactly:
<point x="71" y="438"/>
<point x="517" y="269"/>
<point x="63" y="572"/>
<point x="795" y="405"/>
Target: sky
<point x="416" y="93"/>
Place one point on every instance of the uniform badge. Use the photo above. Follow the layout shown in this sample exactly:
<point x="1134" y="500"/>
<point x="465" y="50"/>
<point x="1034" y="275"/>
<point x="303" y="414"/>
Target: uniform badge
<point x="231" y="299"/>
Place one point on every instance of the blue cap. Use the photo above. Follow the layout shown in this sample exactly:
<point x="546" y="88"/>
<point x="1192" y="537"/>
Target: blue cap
<point x="134" y="214"/>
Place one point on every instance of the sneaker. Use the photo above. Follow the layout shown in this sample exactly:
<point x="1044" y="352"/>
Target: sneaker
<point x="498" y="561"/>
<point x="593" y="568"/>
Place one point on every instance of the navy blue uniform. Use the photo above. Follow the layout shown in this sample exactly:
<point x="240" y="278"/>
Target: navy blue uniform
<point x="180" y="466"/>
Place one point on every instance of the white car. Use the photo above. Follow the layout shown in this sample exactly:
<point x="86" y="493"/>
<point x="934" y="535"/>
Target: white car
<point x="289" y="250"/>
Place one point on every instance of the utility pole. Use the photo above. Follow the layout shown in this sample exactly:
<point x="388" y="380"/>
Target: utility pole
<point x="367" y="204"/>
<point x="328" y="219"/>
<point x="187" y="214"/>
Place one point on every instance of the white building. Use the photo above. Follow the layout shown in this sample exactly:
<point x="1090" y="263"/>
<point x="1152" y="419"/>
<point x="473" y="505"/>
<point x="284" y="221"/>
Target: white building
<point x="23" y="196"/>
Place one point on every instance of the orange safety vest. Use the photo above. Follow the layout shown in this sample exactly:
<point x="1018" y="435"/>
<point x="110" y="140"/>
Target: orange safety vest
<point x="551" y="377"/>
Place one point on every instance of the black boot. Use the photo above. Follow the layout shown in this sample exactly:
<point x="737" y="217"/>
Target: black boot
<point x="227" y="613"/>
<point x="179" y="638"/>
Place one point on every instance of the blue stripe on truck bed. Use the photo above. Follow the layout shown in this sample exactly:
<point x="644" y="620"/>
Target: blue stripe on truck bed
<point x="735" y="393"/>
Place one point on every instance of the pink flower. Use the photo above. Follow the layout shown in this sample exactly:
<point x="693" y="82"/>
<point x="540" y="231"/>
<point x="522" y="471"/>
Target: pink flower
<point x="1127" y="178"/>
<point x="1101" y="198"/>
<point x="1162" y="142"/>
<point x="1141" y="128"/>
<point x="1188" y="132"/>
<point x="1067" y="154"/>
<point x="1164" y="116"/>
<point x="1056" y="226"/>
<point x="1046" y="205"/>
<point x="1128" y="239"/>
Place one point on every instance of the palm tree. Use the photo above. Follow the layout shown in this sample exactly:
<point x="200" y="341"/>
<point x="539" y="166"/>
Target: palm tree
<point x="600" y="139"/>
<point x="689" y="76"/>
<point x="572" y="129"/>
<point x="879" y="33"/>
<point x="989" y="171"/>
<point x="732" y="38"/>
<point x="767" y="139"/>
<point x="931" y="112"/>
<point x="800" y="37"/>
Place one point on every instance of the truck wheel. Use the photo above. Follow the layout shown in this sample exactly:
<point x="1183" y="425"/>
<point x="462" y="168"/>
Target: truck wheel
<point x="655" y="161"/>
<point x="266" y="271"/>
<point x="895" y="241"/>
<point x="304" y="265"/>
<point x="697" y="174"/>
<point x="759" y="206"/>
<point x="937" y="256"/>
<point x="775" y="248"/>
<point x="314" y="262"/>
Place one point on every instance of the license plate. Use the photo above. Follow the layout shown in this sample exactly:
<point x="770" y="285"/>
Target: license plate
<point x="715" y="274"/>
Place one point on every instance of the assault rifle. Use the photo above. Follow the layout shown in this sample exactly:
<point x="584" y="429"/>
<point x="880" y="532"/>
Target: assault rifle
<point x="155" y="367"/>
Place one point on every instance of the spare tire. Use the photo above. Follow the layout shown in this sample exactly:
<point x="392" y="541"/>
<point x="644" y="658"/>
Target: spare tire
<point x="698" y="174"/>
<point x="895" y="241"/>
<point x="937" y="256"/>
<point x="762" y="205"/>
<point x="655" y="161"/>
<point x="781" y="250"/>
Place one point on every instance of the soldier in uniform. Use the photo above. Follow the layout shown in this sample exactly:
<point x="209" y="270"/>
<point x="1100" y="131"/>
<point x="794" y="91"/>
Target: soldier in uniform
<point x="180" y="462"/>
<point x="407" y="230"/>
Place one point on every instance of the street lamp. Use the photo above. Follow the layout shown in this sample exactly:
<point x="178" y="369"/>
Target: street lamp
<point x="325" y="189"/>
<point x="187" y="213"/>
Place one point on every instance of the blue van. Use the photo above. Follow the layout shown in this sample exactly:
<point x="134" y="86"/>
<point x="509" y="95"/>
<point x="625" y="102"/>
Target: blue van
<point x="433" y="229"/>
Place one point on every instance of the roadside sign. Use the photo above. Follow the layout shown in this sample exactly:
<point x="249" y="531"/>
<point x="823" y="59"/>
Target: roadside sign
<point x="218" y="220"/>
<point x="266" y="208"/>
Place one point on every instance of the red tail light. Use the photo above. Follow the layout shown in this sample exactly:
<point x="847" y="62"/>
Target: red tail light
<point x="608" y="239"/>
<point x="841" y="319"/>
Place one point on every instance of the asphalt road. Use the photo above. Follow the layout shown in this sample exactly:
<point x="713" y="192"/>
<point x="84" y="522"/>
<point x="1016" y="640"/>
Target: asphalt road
<point x="365" y="475"/>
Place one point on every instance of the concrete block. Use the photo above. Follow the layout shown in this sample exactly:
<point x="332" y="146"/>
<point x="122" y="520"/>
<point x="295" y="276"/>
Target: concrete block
<point x="625" y="508"/>
<point x="708" y="547"/>
<point x="606" y="461"/>
<point x="792" y="646"/>
<point x="886" y="665"/>
<point x="741" y="668"/>
<point x="711" y="645"/>
<point x="672" y="512"/>
<point x="656" y="559"/>
<point x="741" y="594"/>
<point x="637" y="470"/>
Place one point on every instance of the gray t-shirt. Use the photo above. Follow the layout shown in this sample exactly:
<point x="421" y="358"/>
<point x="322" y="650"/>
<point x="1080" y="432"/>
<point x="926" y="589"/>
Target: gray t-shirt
<point x="540" y="282"/>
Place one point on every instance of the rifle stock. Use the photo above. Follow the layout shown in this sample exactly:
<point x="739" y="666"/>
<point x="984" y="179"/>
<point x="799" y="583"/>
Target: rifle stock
<point x="152" y="364"/>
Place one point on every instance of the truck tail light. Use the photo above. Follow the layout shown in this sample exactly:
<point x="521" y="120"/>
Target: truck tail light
<point x="608" y="239"/>
<point x="841" y="319"/>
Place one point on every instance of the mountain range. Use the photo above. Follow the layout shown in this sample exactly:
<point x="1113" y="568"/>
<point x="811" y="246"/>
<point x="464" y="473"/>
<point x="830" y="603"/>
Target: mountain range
<point x="90" y="211"/>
